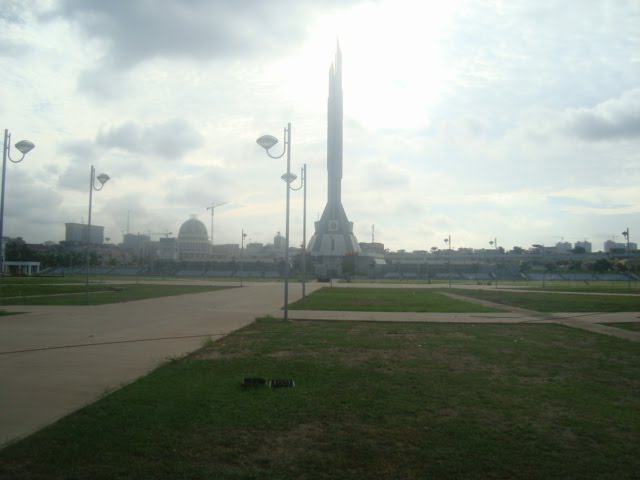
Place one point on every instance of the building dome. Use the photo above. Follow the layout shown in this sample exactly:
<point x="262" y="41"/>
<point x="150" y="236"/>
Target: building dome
<point x="193" y="241"/>
<point x="193" y="230"/>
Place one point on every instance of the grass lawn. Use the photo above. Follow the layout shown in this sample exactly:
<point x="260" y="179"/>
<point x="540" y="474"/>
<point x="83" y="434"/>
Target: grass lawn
<point x="11" y="280"/>
<point x="372" y="400"/>
<point x="385" y="300"/>
<point x="592" y="287"/>
<point x="556" y="302"/>
<point x="634" y="326"/>
<point x="98" y="294"/>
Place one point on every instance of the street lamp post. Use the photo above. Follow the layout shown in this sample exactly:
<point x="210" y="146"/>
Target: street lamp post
<point x="242" y="256"/>
<point x="303" y="183"/>
<point x="266" y="142"/>
<point x="304" y="232"/>
<point x="625" y="234"/>
<point x="448" y="242"/>
<point x="494" y="244"/>
<point x="24" y="147"/>
<point x="102" y="178"/>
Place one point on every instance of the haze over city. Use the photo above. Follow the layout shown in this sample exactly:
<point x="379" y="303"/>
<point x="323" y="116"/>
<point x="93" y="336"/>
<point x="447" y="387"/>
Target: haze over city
<point x="479" y="119"/>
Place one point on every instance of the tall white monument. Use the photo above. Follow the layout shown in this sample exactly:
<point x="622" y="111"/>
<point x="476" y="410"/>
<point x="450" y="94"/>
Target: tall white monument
<point x="333" y="238"/>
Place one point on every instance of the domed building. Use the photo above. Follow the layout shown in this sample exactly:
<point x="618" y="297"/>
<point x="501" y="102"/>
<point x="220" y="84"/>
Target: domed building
<point x="193" y="241"/>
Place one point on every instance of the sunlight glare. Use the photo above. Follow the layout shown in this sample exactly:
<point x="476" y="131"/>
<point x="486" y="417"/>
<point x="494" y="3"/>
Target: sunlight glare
<point x="393" y="70"/>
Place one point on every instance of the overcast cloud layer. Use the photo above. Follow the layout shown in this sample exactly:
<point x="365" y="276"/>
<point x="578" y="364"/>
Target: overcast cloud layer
<point x="515" y="120"/>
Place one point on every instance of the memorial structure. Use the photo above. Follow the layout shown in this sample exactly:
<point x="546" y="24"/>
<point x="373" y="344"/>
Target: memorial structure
<point x="333" y="241"/>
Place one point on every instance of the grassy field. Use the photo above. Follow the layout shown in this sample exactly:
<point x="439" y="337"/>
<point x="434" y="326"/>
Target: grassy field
<point x="385" y="300"/>
<point x="591" y="287"/>
<point x="556" y="302"/>
<point x="634" y="326"/>
<point x="595" y="286"/>
<point x="372" y="400"/>
<point x="34" y="280"/>
<point x="38" y="294"/>
<point x="423" y="300"/>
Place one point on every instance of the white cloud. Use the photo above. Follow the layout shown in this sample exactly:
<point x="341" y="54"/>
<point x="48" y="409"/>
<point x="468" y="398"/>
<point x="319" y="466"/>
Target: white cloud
<point x="478" y="119"/>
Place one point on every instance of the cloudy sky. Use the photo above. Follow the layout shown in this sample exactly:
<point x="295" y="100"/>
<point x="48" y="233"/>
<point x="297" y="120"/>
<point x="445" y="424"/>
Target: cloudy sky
<point x="480" y="119"/>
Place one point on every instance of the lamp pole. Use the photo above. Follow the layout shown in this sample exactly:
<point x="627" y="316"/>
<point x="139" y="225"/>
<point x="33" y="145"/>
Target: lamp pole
<point x="266" y="142"/>
<point x="304" y="232"/>
<point x="242" y="256"/>
<point x="24" y="147"/>
<point x="626" y="235"/>
<point x="494" y="244"/>
<point x="102" y="178"/>
<point x="448" y="242"/>
<point x="303" y="183"/>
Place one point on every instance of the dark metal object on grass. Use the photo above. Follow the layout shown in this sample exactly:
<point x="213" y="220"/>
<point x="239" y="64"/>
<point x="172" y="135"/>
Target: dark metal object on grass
<point x="263" y="382"/>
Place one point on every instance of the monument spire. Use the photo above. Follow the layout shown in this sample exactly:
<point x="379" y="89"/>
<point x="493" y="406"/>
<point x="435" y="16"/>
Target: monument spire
<point x="333" y="236"/>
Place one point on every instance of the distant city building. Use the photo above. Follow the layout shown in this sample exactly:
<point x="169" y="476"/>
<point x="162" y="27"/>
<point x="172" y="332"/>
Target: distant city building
<point x="225" y="251"/>
<point x="372" y="247"/>
<point x="168" y="248"/>
<point x="279" y="242"/>
<point x="255" y="248"/>
<point x="193" y="241"/>
<point x="78" y="232"/>
<point x="134" y="242"/>
<point x="611" y="246"/>
<point x="563" y="247"/>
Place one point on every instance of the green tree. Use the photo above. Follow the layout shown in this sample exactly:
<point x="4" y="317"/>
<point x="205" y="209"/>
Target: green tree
<point x="349" y="265"/>
<point x="17" y="250"/>
<point x="602" y="265"/>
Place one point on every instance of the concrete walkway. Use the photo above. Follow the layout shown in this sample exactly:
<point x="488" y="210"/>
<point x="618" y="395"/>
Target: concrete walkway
<point x="54" y="360"/>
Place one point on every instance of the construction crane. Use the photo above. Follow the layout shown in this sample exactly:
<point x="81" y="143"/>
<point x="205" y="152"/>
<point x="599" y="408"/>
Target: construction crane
<point x="165" y="234"/>
<point x="213" y="209"/>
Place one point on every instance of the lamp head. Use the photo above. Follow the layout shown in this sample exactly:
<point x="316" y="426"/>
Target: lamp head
<point x="25" y="146"/>
<point x="267" y="141"/>
<point x="103" y="178"/>
<point x="288" y="177"/>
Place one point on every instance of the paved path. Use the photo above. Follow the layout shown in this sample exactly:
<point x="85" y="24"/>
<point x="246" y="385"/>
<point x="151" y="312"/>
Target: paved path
<point x="54" y="360"/>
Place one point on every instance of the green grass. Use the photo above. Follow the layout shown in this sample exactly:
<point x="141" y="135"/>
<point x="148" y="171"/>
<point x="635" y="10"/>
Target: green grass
<point x="591" y="287"/>
<point x="98" y="294"/>
<point x="372" y="400"/>
<point x="634" y="326"/>
<point x="556" y="302"/>
<point x="11" y="280"/>
<point x="30" y="289"/>
<point x="385" y="300"/>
